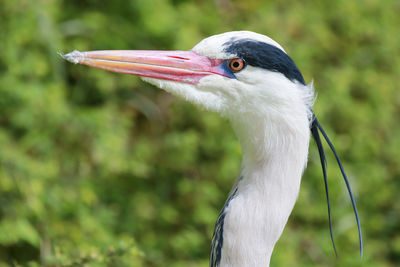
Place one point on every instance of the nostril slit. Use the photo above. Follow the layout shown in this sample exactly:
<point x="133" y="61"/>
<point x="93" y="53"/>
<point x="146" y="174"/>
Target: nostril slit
<point x="182" y="58"/>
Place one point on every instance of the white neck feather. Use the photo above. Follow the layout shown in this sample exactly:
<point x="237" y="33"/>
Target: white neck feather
<point x="275" y="149"/>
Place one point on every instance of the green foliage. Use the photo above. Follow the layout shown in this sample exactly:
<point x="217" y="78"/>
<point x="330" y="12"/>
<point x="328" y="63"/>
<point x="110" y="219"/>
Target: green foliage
<point x="100" y="169"/>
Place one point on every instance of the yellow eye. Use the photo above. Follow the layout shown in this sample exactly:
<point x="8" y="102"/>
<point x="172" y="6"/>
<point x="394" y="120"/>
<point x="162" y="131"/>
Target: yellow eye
<point x="236" y="64"/>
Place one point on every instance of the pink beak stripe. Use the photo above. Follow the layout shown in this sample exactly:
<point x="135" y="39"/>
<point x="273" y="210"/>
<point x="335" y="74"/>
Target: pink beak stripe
<point x="180" y="66"/>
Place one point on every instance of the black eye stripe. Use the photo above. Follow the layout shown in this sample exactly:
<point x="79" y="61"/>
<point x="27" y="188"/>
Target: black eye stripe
<point x="266" y="56"/>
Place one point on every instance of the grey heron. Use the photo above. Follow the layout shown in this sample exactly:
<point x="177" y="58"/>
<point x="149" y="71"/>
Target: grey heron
<point x="250" y="80"/>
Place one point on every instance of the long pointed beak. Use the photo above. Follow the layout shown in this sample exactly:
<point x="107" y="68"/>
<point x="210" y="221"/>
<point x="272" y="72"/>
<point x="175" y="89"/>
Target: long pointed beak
<point x="181" y="66"/>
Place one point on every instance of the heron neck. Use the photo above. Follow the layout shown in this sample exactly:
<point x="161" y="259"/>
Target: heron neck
<point x="274" y="157"/>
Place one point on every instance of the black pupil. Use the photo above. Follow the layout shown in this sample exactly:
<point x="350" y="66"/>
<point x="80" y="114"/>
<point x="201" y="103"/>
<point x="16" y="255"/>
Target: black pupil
<point x="236" y="64"/>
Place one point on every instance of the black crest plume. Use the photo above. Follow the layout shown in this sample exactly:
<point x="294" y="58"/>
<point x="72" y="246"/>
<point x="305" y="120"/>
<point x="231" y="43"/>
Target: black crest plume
<point x="316" y="128"/>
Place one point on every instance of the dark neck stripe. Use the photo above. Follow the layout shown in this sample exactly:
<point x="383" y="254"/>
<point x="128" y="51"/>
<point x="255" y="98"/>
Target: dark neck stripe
<point x="266" y="56"/>
<point x="218" y="236"/>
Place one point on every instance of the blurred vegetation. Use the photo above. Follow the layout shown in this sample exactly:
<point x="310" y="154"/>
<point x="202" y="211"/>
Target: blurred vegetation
<point x="101" y="169"/>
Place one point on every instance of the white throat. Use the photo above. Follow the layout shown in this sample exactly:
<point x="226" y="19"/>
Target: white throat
<point x="275" y="149"/>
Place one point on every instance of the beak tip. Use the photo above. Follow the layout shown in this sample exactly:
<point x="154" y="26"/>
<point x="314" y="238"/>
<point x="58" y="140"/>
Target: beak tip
<point x="75" y="56"/>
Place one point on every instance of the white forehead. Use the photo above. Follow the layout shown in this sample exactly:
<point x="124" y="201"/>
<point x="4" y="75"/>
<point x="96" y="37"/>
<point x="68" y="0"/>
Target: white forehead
<point x="213" y="46"/>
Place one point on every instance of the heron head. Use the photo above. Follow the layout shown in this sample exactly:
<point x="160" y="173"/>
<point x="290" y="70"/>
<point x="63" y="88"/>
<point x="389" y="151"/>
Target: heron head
<point x="240" y="75"/>
<point x="230" y="73"/>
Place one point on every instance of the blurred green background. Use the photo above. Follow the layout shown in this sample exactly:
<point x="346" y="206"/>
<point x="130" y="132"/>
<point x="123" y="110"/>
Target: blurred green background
<point x="101" y="169"/>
